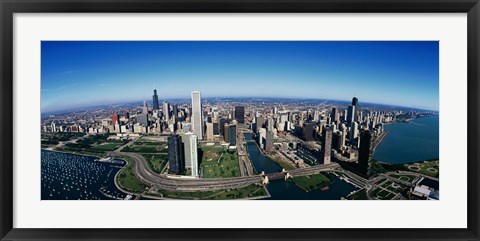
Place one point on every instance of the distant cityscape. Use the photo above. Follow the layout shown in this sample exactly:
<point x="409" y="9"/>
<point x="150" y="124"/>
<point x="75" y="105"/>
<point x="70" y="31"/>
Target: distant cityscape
<point x="228" y="148"/>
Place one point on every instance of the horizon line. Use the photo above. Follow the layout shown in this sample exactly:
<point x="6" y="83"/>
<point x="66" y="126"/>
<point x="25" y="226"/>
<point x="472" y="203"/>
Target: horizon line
<point x="207" y="97"/>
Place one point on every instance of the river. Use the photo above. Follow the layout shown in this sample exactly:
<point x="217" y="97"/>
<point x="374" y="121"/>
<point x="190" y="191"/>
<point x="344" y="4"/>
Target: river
<point x="282" y="190"/>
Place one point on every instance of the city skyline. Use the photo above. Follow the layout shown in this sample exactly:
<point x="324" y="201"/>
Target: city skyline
<point x="82" y="74"/>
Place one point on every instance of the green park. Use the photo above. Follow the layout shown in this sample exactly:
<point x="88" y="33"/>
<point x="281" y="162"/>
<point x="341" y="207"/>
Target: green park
<point x="248" y="192"/>
<point x="218" y="162"/>
<point x="312" y="182"/>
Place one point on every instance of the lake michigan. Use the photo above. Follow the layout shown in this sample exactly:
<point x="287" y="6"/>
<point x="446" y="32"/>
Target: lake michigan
<point x="410" y="142"/>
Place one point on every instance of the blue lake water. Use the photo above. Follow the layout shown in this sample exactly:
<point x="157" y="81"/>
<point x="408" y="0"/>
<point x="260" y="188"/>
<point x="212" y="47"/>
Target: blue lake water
<point x="410" y="142"/>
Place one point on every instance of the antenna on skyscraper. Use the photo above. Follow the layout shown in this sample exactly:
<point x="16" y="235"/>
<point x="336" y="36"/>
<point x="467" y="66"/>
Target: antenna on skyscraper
<point x="154" y="87"/>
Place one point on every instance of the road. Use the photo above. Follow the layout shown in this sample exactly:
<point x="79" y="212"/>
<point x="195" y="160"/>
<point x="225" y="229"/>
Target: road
<point x="246" y="168"/>
<point x="172" y="183"/>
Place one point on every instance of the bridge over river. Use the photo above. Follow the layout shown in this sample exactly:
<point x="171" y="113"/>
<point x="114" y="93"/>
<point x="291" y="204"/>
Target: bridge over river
<point x="178" y="183"/>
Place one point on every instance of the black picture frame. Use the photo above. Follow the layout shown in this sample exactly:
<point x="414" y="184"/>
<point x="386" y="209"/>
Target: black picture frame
<point x="9" y="7"/>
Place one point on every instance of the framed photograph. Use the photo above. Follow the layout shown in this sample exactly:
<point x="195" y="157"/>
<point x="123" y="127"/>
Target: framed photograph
<point x="261" y="120"/>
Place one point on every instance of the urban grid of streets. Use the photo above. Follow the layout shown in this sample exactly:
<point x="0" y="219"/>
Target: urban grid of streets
<point x="299" y="122"/>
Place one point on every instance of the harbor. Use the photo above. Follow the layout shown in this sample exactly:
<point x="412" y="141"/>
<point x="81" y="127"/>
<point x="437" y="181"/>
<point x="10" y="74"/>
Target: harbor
<point x="76" y="177"/>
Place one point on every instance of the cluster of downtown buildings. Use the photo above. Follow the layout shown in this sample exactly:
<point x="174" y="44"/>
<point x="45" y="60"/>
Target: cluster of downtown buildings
<point x="346" y="135"/>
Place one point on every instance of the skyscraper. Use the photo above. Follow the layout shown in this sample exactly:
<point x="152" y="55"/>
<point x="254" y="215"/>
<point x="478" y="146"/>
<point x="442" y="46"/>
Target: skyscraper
<point x="145" y="107"/>
<point x="334" y="114"/>
<point x="260" y="122"/>
<point x="197" y="119"/>
<point x="350" y="115"/>
<point x="354" y="101"/>
<point x="327" y="145"/>
<point x="176" y="156"/>
<point x="353" y="132"/>
<point x="166" y="110"/>
<point x="270" y="123"/>
<point x="115" y="119"/>
<point x="142" y="119"/>
<point x="155" y="99"/>
<point x="54" y="129"/>
<point x="343" y="138"/>
<point x="191" y="153"/>
<point x="355" y="108"/>
<point x="364" y="152"/>
<point x="240" y="114"/>
<point x="269" y="141"/>
<point x="209" y="131"/>
<point x="175" y="113"/>
<point x="232" y="134"/>
<point x="221" y="126"/>
<point x="262" y="135"/>
<point x="226" y="130"/>
<point x="308" y="131"/>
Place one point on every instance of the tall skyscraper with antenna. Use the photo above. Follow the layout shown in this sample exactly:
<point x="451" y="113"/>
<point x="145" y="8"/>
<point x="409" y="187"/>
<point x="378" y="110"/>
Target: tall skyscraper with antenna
<point x="354" y="101"/>
<point x="352" y="112"/>
<point x="197" y="118"/>
<point x="155" y="99"/>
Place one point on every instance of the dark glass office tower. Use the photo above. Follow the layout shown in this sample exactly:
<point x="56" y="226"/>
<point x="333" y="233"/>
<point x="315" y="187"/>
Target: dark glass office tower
<point x="355" y="109"/>
<point x="240" y="114"/>
<point x="232" y="134"/>
<point x="155" y="100"/>
<point x="354" y="101"/>
<point x="175" y="113"/>
<point x="364" y="152"/>
<point x="176" y="157"/>
<point x="308" y="131"/>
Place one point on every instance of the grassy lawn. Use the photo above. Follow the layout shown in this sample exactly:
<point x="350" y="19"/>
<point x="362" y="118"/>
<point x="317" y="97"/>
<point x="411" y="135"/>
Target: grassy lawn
<point x="312" y="182"/>
<point x="92" y="145"/>
<point x="156" y="162"/>
<point x="386" y="184"/>
<point x="212" y="153"/>
<point x="218" y="162"/>
<point x="382" y="194"/>
<point x="406" y="178"/>
<point x="89" y="152"/>
<point x="127" y="179"/>
<point x="380" y="181"/>
<point x="155" y="152"/>
<point x="360" y="195"/>
<point x="54" y="138"/>
<point x="429" y="168"/>
<point x="109" y="146"/>
<point x="244" y="192"/>
<point x="147" y="147"/>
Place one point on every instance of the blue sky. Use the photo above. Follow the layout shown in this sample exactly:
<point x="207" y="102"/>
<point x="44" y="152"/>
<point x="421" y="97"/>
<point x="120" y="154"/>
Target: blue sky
<point x="86" y="73"/>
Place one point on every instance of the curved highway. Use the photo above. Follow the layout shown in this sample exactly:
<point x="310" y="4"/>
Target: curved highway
<point x="162" y="181"/>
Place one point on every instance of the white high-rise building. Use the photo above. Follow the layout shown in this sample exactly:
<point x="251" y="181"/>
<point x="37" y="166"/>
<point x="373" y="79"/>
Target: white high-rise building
<point x="191" y="153"/>
<point x="353" y="132"/>
<point x="197" y="118"/>
<point x="262" y="136"/>
<point x="166" y="111"/>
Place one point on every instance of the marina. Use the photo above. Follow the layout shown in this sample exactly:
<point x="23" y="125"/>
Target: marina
<point x="75" y="177"/>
